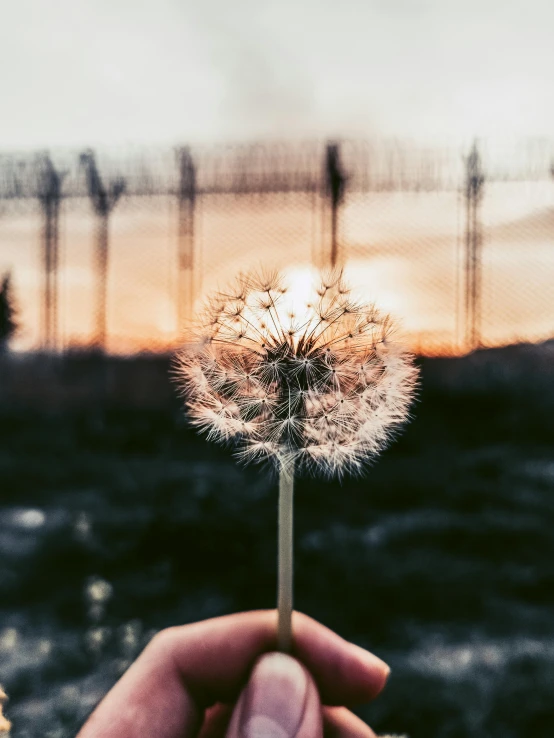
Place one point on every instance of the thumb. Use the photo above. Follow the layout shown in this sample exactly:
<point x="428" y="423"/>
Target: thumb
<point x="279" y="701"/>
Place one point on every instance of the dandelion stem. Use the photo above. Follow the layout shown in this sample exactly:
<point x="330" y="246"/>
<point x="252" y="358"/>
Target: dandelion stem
<point x="286" y="487"/>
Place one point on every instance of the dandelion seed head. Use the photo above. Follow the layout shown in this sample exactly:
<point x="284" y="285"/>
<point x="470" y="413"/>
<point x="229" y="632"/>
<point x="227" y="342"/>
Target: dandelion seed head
<point x="320" y="381"/>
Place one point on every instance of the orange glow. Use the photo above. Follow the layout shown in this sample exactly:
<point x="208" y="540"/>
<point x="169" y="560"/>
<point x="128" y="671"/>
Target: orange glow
<point x="403" y="251"/>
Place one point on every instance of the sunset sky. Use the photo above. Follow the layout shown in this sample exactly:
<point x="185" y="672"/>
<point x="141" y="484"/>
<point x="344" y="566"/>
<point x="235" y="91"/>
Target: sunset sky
<point x="116" y="72"/>
<point x="403" y="250"/>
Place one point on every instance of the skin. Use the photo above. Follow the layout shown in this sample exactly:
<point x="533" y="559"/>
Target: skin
<point x="207" y="679"/>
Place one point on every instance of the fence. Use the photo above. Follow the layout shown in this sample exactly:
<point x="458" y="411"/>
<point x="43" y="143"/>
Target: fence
<point x="113" y="250"/>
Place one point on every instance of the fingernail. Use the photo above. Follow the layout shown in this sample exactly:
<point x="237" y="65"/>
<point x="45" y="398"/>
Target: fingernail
<point x="372" y="662"/>
<point x="275" y="698"/>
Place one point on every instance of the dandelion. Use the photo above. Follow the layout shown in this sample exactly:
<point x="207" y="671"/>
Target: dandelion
<point x="315" y="383"/>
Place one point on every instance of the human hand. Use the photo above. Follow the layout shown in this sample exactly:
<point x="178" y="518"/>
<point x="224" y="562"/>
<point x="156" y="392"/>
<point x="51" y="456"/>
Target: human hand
<point x="221" y="677"/>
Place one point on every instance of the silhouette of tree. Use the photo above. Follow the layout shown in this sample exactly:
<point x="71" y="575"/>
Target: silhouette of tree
<point x="8" y="312"/>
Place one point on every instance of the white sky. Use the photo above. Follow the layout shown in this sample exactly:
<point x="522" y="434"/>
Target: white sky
<point x="117" y="72"/>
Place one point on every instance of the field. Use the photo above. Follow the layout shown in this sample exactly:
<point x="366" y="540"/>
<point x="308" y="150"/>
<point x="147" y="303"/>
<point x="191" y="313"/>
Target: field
<point x="115" y="521"/>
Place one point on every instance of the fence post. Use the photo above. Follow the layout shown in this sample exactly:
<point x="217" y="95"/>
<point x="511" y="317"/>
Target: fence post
<point x="103" y="202"/>
<point x="186" y="198"/>
<point x="474" y="184"/>
<point x="49" y="194"/>
<point x="335" y="182"/>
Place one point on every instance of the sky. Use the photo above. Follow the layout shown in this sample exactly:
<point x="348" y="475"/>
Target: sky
<point x="121" y="72"/>
<point x="402" y="250"/>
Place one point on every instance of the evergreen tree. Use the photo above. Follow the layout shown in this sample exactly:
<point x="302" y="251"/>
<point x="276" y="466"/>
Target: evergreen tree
<point x="8" y="322"/>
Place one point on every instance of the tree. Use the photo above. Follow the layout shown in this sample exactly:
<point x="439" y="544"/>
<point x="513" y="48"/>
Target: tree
<point x="8" y="321"/>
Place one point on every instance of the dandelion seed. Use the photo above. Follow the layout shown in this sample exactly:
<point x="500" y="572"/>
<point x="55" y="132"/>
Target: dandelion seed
<point x="339" y="345"/>
<point x="321" y="389"/>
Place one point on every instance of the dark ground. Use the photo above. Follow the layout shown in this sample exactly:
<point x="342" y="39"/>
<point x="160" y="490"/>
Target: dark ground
<point x="115" y="521"/>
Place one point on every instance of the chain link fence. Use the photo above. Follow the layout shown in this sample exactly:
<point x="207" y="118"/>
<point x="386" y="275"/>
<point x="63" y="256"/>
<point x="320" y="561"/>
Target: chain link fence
<point x="114" y="250"/>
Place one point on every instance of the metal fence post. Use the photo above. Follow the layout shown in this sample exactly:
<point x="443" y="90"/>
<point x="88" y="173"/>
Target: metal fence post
<point x="475" y="180"/>
<point x="103" y="201"/>
<point x="49" y="195"/>
<point x="335" y="184"/>
<point x="186" y="197"/>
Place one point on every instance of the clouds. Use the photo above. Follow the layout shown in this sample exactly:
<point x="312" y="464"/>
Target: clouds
<point x="166" y="70"/>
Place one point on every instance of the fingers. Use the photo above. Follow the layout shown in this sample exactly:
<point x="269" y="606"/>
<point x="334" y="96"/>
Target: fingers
<point x="279" y="701"/>
<point x="149" y="699"/>
<point x="338" y="722"/>
<point x="215" y="657"/>
<point x="344" y="673"/>
<point x="216" y="721"/>
<point x="341" y="723"/>
<point x="185" y="670"/>
<point x="312" y="723"/>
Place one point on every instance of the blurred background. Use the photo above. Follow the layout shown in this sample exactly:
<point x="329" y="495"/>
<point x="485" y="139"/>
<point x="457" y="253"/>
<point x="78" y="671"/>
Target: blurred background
<point x="149" y="153"/>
